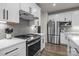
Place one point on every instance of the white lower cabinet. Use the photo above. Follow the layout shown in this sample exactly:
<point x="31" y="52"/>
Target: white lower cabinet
<point x="16" y="50"/>
<point x="72" y="49"/>
<point x="63" y="39"/>
<point x="74" y="52"/>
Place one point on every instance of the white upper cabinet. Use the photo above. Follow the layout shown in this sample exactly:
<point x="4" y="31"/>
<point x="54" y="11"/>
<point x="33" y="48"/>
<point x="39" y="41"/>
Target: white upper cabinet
<point x="9" y="12"/>
<point x="36" y="11"/>
<point x="2" y="11"/>
<point x="58" y="18"/>
<point x="61" y="17"/>
<point x="25" y="7"/>
<point x="32" y="8"/>
<point x="12" y="12"/>
<point x="66" y="16"/>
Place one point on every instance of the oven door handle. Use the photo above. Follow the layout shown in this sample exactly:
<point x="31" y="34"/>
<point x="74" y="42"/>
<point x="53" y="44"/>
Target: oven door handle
<point x="33" y="42"/>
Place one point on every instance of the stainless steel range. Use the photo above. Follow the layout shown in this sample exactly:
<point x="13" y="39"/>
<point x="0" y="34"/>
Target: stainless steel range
<point x="33" y="43"/>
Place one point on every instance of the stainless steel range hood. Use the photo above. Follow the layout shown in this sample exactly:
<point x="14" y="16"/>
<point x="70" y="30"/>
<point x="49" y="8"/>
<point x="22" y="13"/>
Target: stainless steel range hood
<point x="26" y="16"/>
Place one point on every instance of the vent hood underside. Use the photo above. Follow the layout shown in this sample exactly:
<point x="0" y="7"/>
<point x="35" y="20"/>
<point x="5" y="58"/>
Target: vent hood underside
<point x="26" y="16"/>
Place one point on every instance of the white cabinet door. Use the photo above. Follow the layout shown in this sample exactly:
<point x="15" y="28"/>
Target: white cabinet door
<point x="62" y="16"/>
<point x="25" y="7"/>
<point x="65" y="16"/>
<point x="33" y="9"/>
<point x="36" y="11"/>
<point x="59" y="17"/>
<point x="2" y="11"/>
<point x="74" y="49"/>
<point x="63" y="39"/>
<point x="12" y="12"/>
<point x="74" y="52"/>
<point x="68" y="16"/>
<point x="16" y="50"/>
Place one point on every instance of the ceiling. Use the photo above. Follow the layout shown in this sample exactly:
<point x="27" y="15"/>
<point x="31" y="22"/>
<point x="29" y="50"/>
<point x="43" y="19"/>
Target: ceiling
<point x="59" y="7"/>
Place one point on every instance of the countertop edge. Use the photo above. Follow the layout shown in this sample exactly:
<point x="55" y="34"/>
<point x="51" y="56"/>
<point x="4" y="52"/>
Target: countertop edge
<point x="76" y="45"/>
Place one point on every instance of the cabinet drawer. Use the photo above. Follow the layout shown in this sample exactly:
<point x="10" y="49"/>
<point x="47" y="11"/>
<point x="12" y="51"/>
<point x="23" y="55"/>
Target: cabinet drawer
<point x="22" y="52"/>
<point x="13" y="49"/>
<point x="19" y="52"/>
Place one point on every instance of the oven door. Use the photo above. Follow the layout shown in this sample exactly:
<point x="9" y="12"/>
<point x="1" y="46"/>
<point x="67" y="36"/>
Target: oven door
<point x="33" y="47"/>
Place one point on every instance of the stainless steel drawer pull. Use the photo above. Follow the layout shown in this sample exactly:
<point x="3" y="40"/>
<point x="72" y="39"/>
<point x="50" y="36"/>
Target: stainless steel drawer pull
<point x="11" y="51"/>
<point x="33" y="42"/>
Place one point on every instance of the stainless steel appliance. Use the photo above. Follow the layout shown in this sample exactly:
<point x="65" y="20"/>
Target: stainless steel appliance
<point x="57" y="32"/>
<point x="26" y="16"/>
<point x="53" y="32"/>
<point x="33" y="43"/>
<point x="39" y="29"/>
<point x="33" y="47"/>
<point x="64" y="25"/>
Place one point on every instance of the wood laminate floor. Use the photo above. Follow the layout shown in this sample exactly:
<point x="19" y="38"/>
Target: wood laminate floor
<point x="54" y="50"/>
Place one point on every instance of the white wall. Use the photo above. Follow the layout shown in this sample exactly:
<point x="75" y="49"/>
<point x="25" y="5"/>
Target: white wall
<point x="75" y="18"/>
<point x="44" y="18"/>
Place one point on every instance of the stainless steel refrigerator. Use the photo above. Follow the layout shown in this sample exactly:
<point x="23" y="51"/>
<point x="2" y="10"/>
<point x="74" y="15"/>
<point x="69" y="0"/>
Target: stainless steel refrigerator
<point x="53" y="32"/>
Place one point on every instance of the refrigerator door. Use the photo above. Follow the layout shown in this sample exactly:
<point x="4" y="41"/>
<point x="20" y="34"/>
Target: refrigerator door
<point x="57" y="32"/>
<point x="51" y="27"/>
<point x="57" y="40"/>
<point x="51" y="39"/>
<point x="51" y="31"/>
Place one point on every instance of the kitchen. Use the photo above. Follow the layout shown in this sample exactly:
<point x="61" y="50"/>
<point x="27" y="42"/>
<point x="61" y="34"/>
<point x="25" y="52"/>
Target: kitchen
<point x="39" y="29"/>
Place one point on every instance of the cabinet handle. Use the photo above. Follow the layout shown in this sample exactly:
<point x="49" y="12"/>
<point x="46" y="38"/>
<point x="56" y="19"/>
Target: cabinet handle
<point x="30" y="9"/>
<point x="3" y="13"/>
<point x="33" y="43"/>
<point x="7" y="14"/>
<point x="11" y="51"/>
